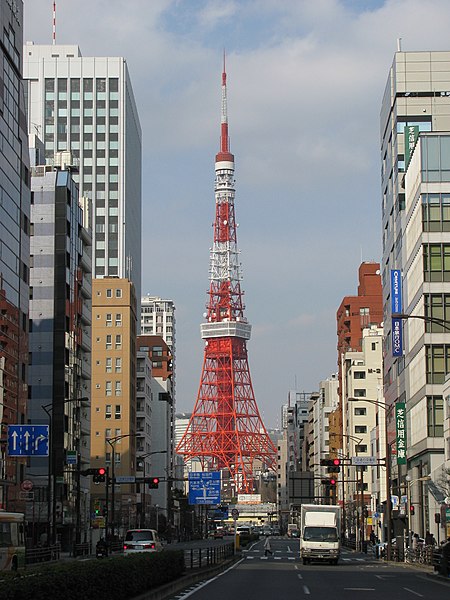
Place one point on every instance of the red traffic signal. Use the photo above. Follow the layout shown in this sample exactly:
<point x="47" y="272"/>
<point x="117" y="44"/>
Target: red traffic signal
<point x="99" y="475"/>
<point x="411" y="510"/>
<point x="336" y="462"/>
<point x="153" y="482"/>
<point x="333" y="481"/>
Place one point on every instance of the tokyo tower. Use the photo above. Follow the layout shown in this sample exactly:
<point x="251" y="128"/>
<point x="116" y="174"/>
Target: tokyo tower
<point x="225" y="431"/>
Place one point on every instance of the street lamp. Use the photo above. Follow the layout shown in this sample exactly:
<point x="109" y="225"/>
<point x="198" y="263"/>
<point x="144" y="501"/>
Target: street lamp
<point x="112" y="441"/>
<point x="143" y="457"/>
<point x="387" y="409"/>
<point x="51" y="494"/>
<point x="409" y="483"/>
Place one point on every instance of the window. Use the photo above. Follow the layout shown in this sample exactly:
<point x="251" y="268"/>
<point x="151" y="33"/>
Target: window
<point x="108" y="320"/>
<point x="109" y="293"/>
<point x="108" y="411"/>
<point x="108" y="388"/>
<point x="117" y="457"/>
<point x="437" y="363"/>
<point x="118" y="412"/>
<point x="360" y="428"/>
<point x="118" y="388"/>
<point x="118" y="342"/>
<point x="435" y="416"/>
<point x="108" y="365"/>
<point x="109" y="342"/>
<point x="118" y="365"/>
<point x="360" y="448"/>
<point x="157" y="351"/>
<point x="360" y="393"/>
<point x="118" y="293"/>
<point x="107" y="433"/>
<point x="118" y="319"/>
<point x="360" y="411"/>
<point x="437" y="306"/>
<point x="359" y="375"/>
<point x="436" y="262"/>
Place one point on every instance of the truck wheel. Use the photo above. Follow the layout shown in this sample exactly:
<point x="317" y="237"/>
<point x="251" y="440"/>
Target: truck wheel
<point x="305" y="561"/>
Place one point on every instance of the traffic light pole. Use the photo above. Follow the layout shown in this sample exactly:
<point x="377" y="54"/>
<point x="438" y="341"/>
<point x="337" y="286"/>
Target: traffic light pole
<point x="107" y="508"/>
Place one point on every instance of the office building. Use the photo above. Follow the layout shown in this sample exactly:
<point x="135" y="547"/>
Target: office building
<point x="158" y="318"/>
<point x="113" y="420"/>
<point x="416" y="106"/>
<point x="59" y="352"/>
<point x="85" y="105"/>
<point x="14" y="248"/>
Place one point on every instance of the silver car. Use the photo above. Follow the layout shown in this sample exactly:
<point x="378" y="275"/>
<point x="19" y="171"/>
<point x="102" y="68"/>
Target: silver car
<point x="141" y="540"/>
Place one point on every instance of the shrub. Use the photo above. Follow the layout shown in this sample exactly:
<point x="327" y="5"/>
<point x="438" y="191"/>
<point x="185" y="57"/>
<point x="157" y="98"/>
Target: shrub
<point x="119" y="577"/>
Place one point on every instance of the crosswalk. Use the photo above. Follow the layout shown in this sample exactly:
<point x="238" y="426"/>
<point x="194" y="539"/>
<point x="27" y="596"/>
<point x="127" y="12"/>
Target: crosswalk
<point x="287" y="554"/>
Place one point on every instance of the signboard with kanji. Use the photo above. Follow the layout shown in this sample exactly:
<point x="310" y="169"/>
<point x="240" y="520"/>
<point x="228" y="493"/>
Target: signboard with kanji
<point x="204" y="487"/>
<point x="400" y="429"/>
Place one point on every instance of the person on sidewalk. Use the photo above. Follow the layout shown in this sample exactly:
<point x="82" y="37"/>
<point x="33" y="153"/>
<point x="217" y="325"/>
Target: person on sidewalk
<point x="267" y="547"/>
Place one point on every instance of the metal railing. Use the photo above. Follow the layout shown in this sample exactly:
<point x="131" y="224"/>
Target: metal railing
<point x="42" y="554"/>
<point x="197" y="558"/>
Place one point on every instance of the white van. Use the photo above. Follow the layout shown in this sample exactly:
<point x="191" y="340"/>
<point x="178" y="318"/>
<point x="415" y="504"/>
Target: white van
<point x="141" y="540"/>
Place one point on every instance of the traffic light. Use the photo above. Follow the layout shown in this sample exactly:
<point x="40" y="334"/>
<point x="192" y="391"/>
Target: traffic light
<point x="332" y="481"/>
<point x="333" y="464"/>
<point x="153" y="482"/>
<point x="411" y="510"/>
<point x="99" y="475"/>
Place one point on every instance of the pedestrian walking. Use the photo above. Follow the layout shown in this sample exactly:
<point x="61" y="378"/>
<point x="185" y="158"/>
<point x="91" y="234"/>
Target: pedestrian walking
<point x="267" y="547"/>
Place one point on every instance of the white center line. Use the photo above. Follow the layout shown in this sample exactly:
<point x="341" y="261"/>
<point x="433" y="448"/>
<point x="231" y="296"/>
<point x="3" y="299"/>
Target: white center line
<point x="361" y="589"/>
<point x="300" y="576"/>
<point x="306" y="589"/>
<point x="413" y="592"/>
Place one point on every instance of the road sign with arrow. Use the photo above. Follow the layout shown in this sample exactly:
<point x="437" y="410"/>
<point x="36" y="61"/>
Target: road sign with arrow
<point x="28" y="440"/>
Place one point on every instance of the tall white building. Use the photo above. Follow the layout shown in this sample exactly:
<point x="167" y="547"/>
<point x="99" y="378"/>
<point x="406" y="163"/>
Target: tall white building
<point x="85" y="105"/>
<point x="158" y="318"/>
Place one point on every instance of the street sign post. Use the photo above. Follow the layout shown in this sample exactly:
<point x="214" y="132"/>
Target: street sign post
<point x="204" y="488"/>
<point x="28" y="440"/>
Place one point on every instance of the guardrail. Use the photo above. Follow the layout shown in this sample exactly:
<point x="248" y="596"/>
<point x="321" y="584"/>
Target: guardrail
<point x="42" y="554"/>
<point x="196" y="558"/>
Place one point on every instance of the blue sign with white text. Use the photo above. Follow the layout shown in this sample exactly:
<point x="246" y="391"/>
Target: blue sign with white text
<point x="396" y="291"/>
<point x="204" y="488"/>
<point x="397" y="337"/>
<point x="396" y="308"/>
<point x="28" y="440"/>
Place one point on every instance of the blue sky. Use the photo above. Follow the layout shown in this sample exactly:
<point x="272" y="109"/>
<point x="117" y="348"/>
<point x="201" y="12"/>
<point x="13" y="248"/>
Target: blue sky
<point x="305" y="82"/>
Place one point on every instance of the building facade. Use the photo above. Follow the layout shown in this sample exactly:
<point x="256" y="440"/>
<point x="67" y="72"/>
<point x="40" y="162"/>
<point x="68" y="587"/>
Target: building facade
<point x="60" y="350"/>
<point x="14" y="247"/>
<point x="416" y="102"/>
<point x="114" y="405"/>
<point x="86" y="106"/>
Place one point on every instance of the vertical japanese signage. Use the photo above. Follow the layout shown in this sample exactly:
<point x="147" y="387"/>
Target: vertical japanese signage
<point x="411" y="136"/>
<point x="400" y="431"/>
<point x="396" y="307"/>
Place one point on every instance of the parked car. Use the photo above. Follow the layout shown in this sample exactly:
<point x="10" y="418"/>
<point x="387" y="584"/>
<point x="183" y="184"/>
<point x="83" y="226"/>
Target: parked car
<point x="141" y="540"/>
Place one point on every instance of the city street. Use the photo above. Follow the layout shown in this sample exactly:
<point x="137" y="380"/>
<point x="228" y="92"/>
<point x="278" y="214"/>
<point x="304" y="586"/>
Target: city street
<point x="280" y="576"/>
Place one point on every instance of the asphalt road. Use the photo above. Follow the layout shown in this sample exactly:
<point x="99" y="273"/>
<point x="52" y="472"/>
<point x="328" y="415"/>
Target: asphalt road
<point x="282" y="576"/>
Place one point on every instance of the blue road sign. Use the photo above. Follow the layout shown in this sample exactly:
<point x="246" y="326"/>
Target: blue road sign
<point x="28" y="440"/>
<point x="204" y="488"/>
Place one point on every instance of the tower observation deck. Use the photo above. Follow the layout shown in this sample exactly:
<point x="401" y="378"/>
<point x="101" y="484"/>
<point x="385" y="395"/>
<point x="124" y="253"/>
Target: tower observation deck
<point x="225" y="431"/>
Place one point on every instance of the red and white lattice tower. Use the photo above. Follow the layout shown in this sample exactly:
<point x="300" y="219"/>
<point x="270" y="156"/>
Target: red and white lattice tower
<point x="225" y="431"/>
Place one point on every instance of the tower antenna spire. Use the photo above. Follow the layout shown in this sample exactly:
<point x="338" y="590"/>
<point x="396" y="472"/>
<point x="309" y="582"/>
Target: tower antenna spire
<point x="224" y="152"/>
<point x="54" y="23"/>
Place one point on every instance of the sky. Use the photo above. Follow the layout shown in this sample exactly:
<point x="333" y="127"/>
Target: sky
<point x="305" y="84"/>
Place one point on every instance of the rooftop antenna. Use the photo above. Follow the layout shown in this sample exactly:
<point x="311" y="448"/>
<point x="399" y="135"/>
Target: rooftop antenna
<point x="54" y="23"/>
<point x="399" y="44"/>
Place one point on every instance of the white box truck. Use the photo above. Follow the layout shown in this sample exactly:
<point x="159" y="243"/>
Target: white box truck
<point x="320" y="533"/>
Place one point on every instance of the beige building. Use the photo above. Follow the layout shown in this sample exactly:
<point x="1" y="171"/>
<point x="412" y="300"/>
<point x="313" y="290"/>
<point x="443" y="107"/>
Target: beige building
<point x="114" y="394"/>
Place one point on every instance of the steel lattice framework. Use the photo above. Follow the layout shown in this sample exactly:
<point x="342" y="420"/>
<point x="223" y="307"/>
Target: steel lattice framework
<point x="225" y="430"/>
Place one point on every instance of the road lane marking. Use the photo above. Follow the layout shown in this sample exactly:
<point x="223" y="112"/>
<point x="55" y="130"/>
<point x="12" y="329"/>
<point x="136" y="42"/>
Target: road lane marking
<point x="296" y="567"/>
<point x="300" y="576"/>
<point x="306" y="589"/>
<point x="413" y="592"/>
<point x="360" y="589"/>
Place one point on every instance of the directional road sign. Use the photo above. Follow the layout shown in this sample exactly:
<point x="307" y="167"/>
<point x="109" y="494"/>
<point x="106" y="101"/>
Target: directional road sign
<point x="204" y="488"/>
<point x="364" y="460"/>
<point x="28" y="440"/>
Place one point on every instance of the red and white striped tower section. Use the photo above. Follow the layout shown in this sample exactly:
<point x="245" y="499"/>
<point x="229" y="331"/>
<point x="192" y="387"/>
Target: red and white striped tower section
<point x="225" y="431"/>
